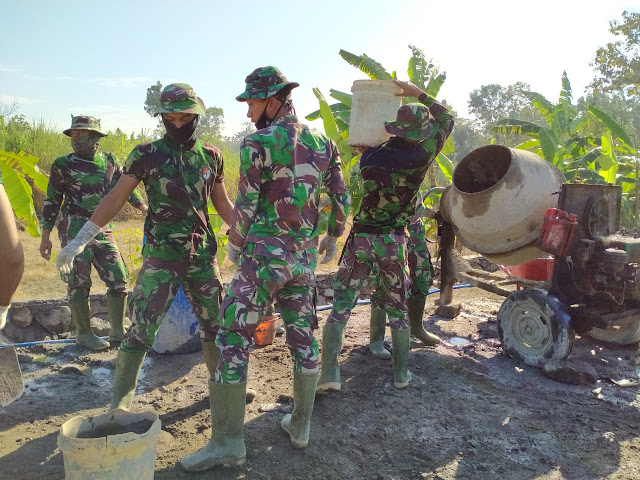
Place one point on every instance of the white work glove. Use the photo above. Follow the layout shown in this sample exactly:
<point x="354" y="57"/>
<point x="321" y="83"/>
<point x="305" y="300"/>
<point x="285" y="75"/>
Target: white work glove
<point x="64" y="259"/>
<point x="3" y="315"/>
<point x="234" y="254"/>
<point x="329" y="245"/>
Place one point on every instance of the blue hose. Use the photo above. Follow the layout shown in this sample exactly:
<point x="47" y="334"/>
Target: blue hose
<point x="318" y="309"/>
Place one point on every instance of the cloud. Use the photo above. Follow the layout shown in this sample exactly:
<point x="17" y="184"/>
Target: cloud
<point x="125" y="82"/>
<point x="8" y="99"/>
<point x="10" y="68"/>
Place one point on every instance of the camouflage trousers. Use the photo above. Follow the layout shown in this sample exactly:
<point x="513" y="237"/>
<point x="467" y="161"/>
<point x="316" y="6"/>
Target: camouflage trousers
<point x="383" y="256"/>
<point x="104" y="255"/>
<point x="420" y="267"/>
<point x="157" y="284"/>
<point x="267" y="273"/>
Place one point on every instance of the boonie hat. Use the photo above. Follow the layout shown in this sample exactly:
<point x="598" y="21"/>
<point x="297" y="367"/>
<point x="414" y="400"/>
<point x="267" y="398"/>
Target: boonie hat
<point x="180" y="98"/>
<point x="84" y="122"/>
<point x="411" y="122"/>
<point x="265" y="82"/>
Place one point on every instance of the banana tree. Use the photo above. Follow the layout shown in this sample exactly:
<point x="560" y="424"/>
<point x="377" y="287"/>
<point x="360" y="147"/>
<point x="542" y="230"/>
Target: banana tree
<point x="16" y="169"/>
<point x="563" y="141"/>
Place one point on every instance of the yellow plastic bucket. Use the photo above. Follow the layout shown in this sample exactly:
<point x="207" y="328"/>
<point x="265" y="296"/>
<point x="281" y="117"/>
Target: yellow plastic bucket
<point x="118" y="445"/>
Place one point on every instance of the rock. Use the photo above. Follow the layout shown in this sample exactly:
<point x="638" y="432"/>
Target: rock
<point x="21" y="316"/>
<point x="72" y="369"/>
<point x="328" y="292"/>
<point x="99" y="326"/>
<point x="98" y="305"/>
<point x="448" y="311"/>
<point x="576" y="373"/>
<point x="56" y="320"/>
<point x="250" y="396"/>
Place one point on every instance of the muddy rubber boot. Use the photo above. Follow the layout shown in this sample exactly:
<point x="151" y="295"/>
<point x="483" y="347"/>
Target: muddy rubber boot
<point x="298" y="423"/>
<point x="331" y="345"/>
<point x="416" y="310"/>
<point x="226" y="446"/>
<point x="125" y="378"/>
<point x="116" y="306"/>
<point x="377" y="326"/>
<point x="400" y="343"/>
<point x="211" y="354"/>
<point x="82" y="320"/>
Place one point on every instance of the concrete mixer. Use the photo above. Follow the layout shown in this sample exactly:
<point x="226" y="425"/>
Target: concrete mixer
<point x="512" y="207"/>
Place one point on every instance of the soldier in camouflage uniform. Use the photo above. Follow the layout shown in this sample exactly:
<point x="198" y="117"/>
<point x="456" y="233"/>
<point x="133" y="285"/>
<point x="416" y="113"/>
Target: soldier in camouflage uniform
<point x="180" y="174"/>
<point x="421" y="278"/>
<point x="81" y="180"/>
<point x="273" y="236"/>
<point x="391" y="177"/>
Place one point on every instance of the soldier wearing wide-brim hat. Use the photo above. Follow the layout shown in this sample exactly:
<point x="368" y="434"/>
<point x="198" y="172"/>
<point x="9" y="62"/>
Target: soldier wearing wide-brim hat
<point x="84" y="122"/>
<point x="391" y="176"/>
<point x="77" y="184"/>
<point x="181" y="174"/>
<point x="273" y="237"/>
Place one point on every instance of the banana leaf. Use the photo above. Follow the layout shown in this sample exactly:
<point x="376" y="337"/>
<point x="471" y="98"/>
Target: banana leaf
<point x="335" y="108"/>
<point x="614" y="126"/>
<point x="366" y="65"/>
<point x="341" y="97"/>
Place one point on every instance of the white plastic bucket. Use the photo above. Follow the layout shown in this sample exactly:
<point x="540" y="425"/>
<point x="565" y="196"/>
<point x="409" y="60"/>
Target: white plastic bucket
<point x="373" y="102"/>
<point x="118" y="445"/>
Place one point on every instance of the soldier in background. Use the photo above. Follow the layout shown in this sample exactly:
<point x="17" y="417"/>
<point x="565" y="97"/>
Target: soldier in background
<point x="391" y="176"/>
<point x="77" y="184"/>
<point x="274" y="239"/>
<point x="11" y="255"/>
<point x="180" y="174"/>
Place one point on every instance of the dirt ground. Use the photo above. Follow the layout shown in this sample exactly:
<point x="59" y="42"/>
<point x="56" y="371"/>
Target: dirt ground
<point x="470" y="412"/>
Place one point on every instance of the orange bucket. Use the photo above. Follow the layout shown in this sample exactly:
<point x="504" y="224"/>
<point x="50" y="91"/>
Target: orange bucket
<point x="265" y="334"/>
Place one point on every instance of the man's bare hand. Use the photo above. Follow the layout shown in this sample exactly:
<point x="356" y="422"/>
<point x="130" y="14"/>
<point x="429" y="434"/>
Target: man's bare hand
<point x="45" y="248"/>
<point x="408" y="89"/>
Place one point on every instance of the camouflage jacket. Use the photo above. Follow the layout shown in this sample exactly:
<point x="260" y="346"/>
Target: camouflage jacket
<point x="392" y="174"/>
<point x="282" y="170"/>
<point x="179" y="180"/>
<point x="82" y="184"/>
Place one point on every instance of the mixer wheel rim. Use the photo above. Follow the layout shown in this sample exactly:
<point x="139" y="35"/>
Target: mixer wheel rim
<point x="534" y="327"/>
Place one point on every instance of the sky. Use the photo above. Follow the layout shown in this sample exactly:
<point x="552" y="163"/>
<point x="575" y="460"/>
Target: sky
<point x="63" y="57"/>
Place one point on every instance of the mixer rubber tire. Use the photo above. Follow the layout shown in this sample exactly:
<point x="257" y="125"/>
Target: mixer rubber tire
<point x="535" y="327"/>
<point x="622" y="335"/>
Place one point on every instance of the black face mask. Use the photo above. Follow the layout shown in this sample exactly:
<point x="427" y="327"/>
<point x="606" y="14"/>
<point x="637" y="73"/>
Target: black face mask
<point x="185" y="133"/>
<point x="85" y="145"/>
<point x="264" y="122"/>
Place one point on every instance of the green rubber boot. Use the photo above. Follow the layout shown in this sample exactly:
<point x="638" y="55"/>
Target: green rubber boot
<point x="82" y="320"/>
<point x="400" y="343"/>
<point x="116" y="306"/>
<point x="298" y="423"/>
<point x="226" y="446"/>
<point x="416" y="310"/>
<point x="377" y="325"/>
<point x="331" y="345"/>
<point x="125" y="378"/>
<point x="211" y="355"/>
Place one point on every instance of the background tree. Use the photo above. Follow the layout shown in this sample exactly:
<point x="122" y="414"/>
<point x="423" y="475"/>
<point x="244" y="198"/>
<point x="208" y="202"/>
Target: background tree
<point x="618" y="63"/>
<point x="247" y="128"/>
<point x="210" y="124"/>
<point x="491" y="102"/>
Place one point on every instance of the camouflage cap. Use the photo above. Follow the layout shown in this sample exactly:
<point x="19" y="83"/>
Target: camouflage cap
<point x="411" y="122"/>
<point x="84" y="122"/>
<point x="180" y="98"/>
<point x="265" y="82"/>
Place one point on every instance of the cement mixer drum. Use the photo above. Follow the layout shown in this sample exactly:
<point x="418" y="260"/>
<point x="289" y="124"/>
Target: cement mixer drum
<point x="498" y="200"/>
